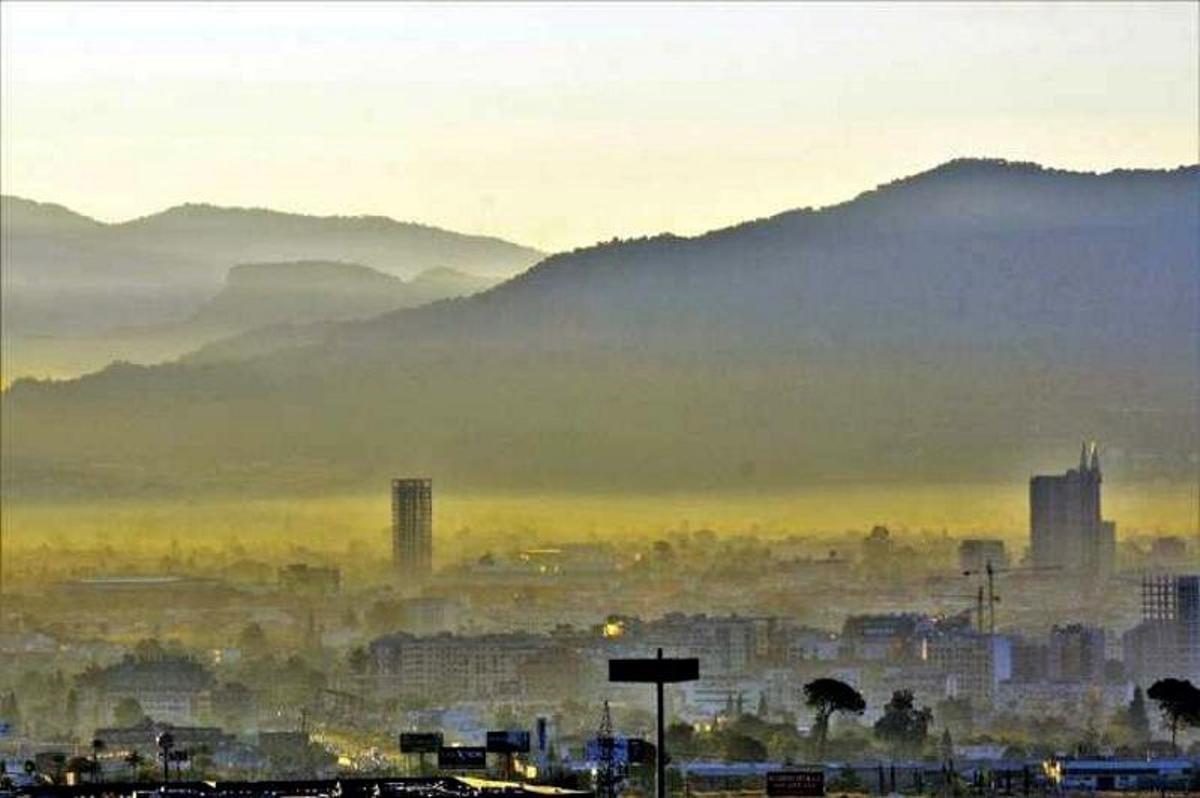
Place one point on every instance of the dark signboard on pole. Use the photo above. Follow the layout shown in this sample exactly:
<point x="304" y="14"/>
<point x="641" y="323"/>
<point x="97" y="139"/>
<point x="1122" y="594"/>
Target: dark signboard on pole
<point x="508" y="742"/>
<point x="467" y="757"/>
<point x="802" y="783"/>
<point x="420" y="742"/>
<point x="660" y="671"/>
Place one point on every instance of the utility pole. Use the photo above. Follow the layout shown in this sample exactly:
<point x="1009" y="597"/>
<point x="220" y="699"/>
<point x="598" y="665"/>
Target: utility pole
<point x="660" y="770"/>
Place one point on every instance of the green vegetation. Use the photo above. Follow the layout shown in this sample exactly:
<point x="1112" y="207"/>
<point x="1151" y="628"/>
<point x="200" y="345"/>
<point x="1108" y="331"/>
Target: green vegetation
<point x="1179" y="702"/>
<point x="828" y="697"/>
<point x="128" y="712"/>
<point x="903" y="727"/>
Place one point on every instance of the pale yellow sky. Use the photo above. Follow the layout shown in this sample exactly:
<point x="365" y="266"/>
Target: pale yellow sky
<point x="560" y="125"/>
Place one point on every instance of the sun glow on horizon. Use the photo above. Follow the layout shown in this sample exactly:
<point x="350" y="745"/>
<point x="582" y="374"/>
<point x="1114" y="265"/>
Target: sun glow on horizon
<point x="561" y="125"/>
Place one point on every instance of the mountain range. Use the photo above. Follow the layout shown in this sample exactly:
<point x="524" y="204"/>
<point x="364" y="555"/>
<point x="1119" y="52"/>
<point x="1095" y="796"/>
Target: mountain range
<point x="69" y="280"/>
<point x="950" y="327"/>
<point x="258" y="295"/>
<point x="196" y="243"/>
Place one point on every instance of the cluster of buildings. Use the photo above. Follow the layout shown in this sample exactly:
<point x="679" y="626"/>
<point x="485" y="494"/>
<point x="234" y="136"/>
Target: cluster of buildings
<point x="168" y="688"/>
<point x="762" y="663"/>
<point x="533" y="631"/>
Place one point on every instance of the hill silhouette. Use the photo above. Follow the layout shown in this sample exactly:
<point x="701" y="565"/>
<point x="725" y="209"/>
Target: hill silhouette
<point x="270" y="298"/>
<point x="298" y="292"/>
<point x="196" y="243"/>
<point x="68" y="276"/>
<point x="949" y="327"/>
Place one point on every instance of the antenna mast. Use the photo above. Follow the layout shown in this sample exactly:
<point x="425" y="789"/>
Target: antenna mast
<point x="606" y="774"/>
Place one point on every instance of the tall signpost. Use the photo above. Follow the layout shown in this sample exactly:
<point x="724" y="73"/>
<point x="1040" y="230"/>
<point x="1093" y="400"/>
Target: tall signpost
<point x="657" y="671"/>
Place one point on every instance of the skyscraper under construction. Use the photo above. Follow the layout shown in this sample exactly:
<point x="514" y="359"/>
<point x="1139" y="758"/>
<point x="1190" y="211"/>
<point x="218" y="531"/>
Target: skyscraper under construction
<point x="412" y="526"/>
<point x="1167" y="641"/>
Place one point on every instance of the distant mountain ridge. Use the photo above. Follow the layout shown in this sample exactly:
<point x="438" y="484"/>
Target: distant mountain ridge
<point x="68" y="276"/>
<point x="199" y="241"/>
<point x="30" y="215"/>
<point x="302" y="292"/>
<point x="948" y="327"/>
<point x="294" y="295"/>
<point x="986" y="225"/>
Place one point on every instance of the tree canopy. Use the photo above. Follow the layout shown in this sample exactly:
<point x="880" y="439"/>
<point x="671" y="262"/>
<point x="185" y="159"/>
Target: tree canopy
<point x="128" y="712"/>
<point x="827" y="696"/>
<point x="904" y="727"/>
<point x="1179" y="702"/>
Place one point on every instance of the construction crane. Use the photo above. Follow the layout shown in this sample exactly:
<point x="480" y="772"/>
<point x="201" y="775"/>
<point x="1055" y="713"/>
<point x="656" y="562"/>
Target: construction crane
<point x="976" y="597"/>
<point x="990" y="571"/>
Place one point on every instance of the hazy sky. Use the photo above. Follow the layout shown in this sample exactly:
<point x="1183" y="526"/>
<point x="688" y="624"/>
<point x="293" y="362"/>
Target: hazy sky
<point x="560" y="125"/>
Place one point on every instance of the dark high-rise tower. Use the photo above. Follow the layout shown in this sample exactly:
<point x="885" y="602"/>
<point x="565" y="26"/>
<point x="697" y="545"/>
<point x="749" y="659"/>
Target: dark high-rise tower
<point x="412" y="526"/>
<point x="1066" y="527"/>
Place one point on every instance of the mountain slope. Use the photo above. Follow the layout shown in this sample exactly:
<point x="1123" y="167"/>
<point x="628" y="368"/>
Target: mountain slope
<point x="195" y="243"/>
<point x="45" y="217"/>
<point x="302" y="292"/>
<point x="953" y="326"/>
<point x="274" y="299"/>
<point x="241" y="235"/>
<point x="67" y="276"/>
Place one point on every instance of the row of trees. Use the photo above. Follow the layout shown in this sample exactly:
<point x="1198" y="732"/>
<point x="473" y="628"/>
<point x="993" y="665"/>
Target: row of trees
<point x="904" y="727"/>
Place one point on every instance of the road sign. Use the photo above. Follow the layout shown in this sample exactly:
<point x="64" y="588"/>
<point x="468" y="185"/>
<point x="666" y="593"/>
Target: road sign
<point x="796" y="782"/>
<point x="641" y="752"/>
<point x="463" y="758"/>
<point x="654" y="671"/>
<point x="420" y="742"/>
<point x="513" y="741"/>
